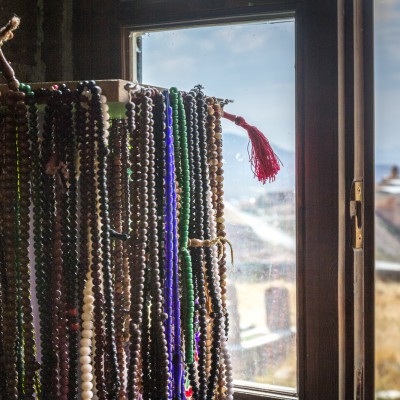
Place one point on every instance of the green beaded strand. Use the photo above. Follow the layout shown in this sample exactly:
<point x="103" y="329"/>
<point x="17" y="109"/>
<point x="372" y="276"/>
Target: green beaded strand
<point x="182" y="172"/>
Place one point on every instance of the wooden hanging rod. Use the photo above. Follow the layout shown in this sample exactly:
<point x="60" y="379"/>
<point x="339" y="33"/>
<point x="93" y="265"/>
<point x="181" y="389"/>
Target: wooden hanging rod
<point x="113" y="89"/>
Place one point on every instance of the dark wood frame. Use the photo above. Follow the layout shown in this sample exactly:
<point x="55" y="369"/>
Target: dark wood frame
<point x="325" y="100"/>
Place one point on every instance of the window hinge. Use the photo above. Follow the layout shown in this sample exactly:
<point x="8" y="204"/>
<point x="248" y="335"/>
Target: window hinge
<point x="356" y="213"/>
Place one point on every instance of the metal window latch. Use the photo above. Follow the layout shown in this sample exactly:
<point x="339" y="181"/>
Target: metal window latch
<point x="356" y="213"/>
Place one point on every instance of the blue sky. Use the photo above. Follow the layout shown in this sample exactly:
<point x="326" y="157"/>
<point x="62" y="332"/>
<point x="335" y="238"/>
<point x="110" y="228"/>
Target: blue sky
<point x="254" y="65"/>
<point x="387" y="80"/>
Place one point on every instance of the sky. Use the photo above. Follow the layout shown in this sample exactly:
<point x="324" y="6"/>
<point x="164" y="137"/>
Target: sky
<point x="387" y="81"/>
<point x="253" y="64"/>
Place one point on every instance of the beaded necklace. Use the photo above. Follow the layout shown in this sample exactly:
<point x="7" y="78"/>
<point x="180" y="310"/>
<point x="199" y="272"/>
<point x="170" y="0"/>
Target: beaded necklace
<point x="171" y="261"/>
<point x="136" y="248"/>
<point x="69" y="225"/>
<point x="159" y="361"/>
<point x="3" y="377"/>
<point x="144" y="120"/>
<point x="85" y="256"/>
<point x="9" y="191"/>
<point x="89" y="195"/>
<point x="164" y="191"/>
<point x="60" y="360"/>
<point x="25" y="166"/>
<point x="48" y="275"/>
<point x="181" y="161"/>
<point x="126" y="216"/>
<point x="196" y="231"/>
<point x="215" y="160"/>
<point x="115" y="186"/>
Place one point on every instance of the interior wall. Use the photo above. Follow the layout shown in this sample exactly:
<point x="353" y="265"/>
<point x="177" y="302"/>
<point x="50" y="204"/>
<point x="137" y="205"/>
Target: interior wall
<point x="63" y="40"/>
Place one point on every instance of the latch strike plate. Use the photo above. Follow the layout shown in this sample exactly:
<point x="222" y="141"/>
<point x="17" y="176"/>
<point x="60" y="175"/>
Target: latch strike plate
<point x="356" y="213"/>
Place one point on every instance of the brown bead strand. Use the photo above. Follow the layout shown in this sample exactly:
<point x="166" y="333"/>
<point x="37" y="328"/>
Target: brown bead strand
<point x="2" y="291"/>
<point x="125" y="168"/>
<point x="9" y="200"/>
<point x="60" y="374"/>
<point x="117" y="252"/>
<point x="95" y="260"/>
<point x="24" y="206"/>
<point x="60" y="254"/>
<point x="212" y="125"/>
<point x="136" y="248"/>
<point x="220" y="205"/>
<point x="81" y="126"/>
<point x="2" y="261"/>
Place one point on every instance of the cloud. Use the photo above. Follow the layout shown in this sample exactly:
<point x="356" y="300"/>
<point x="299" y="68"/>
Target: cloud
<point x="386" y="10"/>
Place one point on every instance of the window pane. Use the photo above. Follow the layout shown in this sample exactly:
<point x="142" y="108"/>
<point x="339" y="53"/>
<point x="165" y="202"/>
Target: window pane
<point x="387" y="212"/>
<point x="254" y="65"/>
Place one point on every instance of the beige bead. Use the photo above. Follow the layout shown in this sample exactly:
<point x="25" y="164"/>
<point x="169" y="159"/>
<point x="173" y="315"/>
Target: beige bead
<point x="87" y="377"/>
<point x="87" y="333"/>
<point x="85" y="360"/>
<point x="85" y="342"/>
<point x="86" y="316"/>
<point x="86" y="386"/>
<point x="87" y="395"/>
<point x="84" y="351"/>
<point x="87" y="325"/>
<point x="88" y="308"/>
<point x="86" y="368"/>
<point x="88" y="299"/>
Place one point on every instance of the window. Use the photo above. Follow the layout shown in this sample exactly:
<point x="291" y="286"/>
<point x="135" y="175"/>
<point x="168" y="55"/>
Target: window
<point x="252" y="63"/>
<point x="387" y="157"/>
<point x="333" y="94"/>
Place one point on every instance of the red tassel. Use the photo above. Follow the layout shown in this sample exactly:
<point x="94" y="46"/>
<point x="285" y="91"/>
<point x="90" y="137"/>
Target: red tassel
<point x="265" y="164"/>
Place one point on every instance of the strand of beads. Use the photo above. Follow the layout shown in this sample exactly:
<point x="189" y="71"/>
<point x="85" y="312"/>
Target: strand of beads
<point x="9" y="191"/>
<point x="47" y="272"/>
<point x="213" y="289"/>
<point x="181" y="161"/>
<point x="70" y="257"/>
<point x="196" y="231"/>
<point x="159" y="361"/>
<point x="25" y="166"/>
<point x="117" y="251"/>
<point x="164" y="183"/>
<point x="85" y="256"/>
<point x="86" y="341"/>
<point x="126" y="216"/>
<point x="219" y="206"/>
<point x="98" y="101"/>
<point x="213" y="198"/>
<point x="59" y="383"/>
<point x="38" y="203"/>
<point x="57" y="167"/>
<point x="136" y="247"/>
<point x="171" y="294"/>
<point x="93" y="241"/>
<point x="144" y="119"/>
<point x="3" y="378"/>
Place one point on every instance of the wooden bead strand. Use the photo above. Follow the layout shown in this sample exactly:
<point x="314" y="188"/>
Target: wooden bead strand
<point x="136" y="249"/>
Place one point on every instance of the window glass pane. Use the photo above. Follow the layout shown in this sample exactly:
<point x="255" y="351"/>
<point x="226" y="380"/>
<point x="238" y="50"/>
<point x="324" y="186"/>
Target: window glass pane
<point x="387" y="212"/>
<point x="254" y="65"/>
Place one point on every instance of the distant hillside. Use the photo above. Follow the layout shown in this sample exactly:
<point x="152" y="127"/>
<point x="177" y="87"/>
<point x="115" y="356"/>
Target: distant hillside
<point x="239" y="179"/>
<point x="382" y="171"/>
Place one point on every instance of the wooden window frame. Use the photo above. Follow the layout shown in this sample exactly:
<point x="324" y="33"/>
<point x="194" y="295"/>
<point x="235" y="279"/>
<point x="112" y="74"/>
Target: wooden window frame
<point x="334" y="90"/>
